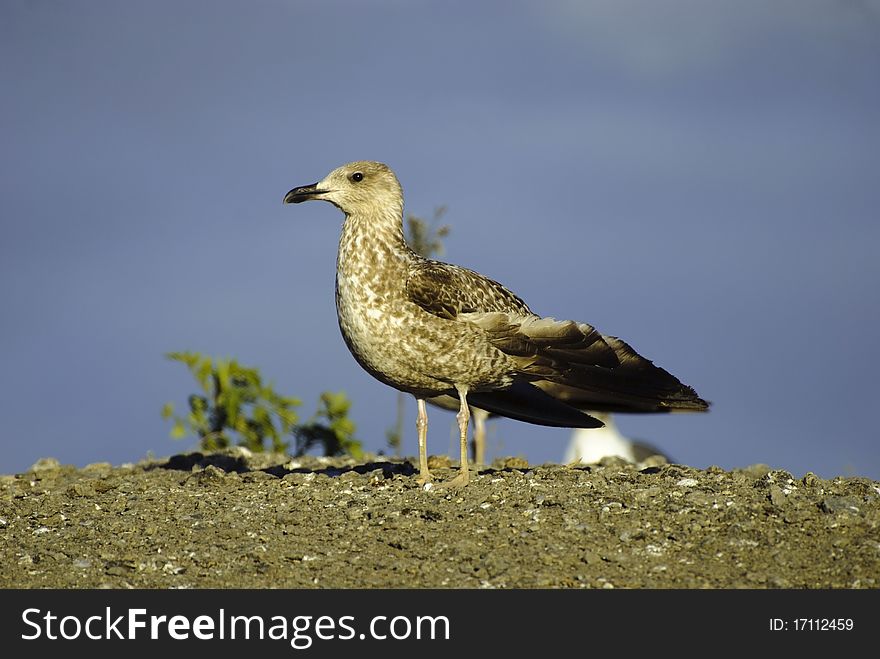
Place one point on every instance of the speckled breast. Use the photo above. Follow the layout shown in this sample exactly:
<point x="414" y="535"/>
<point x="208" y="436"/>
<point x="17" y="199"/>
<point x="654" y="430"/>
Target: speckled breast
<point x="394" y="339"/>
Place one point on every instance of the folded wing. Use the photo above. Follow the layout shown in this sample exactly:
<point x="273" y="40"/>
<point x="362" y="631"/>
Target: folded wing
<point x="569" y="362"/>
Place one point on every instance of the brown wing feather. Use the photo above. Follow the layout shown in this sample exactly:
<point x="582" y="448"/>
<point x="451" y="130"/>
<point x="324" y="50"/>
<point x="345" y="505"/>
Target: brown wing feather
<point x="570" y="361"/>
<point x="545" y="343"/>
<point x="635" y="385"/>
<point x="447" y="290"/>
<point x="579" y="366"/>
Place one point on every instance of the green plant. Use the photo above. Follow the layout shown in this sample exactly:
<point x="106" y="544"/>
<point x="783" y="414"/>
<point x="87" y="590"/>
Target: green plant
<point x="331" y="427"/>
<point x="234" y="402"/>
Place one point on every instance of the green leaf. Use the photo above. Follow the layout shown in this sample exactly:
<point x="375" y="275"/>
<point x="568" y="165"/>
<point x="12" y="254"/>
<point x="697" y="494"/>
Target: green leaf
<point x="202" y="371"/>
<point x="178" y="430"/>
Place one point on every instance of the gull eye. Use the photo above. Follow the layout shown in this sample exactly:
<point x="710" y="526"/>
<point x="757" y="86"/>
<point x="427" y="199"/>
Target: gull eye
<point x="357" y="177"/>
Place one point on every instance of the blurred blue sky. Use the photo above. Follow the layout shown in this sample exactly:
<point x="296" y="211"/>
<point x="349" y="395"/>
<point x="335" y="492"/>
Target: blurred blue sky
<point x="699" y="178"/>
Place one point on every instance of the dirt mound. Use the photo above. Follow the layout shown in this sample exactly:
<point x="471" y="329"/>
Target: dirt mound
<point x="232" y="519"/>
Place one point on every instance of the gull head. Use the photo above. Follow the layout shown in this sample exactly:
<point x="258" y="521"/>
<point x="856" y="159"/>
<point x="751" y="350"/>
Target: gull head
<point x="358" y="187"/>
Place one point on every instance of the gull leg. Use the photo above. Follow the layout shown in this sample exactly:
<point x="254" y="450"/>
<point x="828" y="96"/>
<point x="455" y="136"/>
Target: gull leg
<point x="422" y="426"/>
<point x="479" y="435"/>
<point x="463" y="417"/>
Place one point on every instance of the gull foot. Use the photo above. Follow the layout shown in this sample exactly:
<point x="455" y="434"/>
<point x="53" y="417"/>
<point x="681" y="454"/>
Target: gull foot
<point x="461" y="480"/>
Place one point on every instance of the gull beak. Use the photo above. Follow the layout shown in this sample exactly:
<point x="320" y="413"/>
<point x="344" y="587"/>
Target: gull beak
<point x="303" y="193"/>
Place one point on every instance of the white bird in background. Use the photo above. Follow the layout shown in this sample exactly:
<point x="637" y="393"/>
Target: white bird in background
<point x="590" y="445"/>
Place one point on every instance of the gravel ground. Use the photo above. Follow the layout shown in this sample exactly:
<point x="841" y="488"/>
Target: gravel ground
<point x="232" y="519"/>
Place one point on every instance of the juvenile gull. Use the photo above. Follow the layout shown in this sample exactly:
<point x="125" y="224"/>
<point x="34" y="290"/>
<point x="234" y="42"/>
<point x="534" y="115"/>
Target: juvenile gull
<point x="435" y="329"/>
